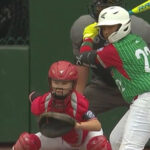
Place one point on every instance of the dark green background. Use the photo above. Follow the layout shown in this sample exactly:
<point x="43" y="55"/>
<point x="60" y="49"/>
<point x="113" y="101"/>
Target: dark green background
<point x="24" y="68"/>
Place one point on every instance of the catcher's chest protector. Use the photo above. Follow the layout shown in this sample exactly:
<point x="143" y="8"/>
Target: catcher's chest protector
<point x="75" y="105"/>
<point x="58" y="106"/>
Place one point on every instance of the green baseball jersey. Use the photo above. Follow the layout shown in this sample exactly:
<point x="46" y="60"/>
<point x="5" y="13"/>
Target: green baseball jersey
<point x="135" y="57"/>
<point x="129" y="60"/>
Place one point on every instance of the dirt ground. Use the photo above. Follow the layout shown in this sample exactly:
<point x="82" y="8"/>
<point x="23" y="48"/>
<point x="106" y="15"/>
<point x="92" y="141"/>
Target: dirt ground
<point x="6" y="146"/>
<point x="9" y="146"/>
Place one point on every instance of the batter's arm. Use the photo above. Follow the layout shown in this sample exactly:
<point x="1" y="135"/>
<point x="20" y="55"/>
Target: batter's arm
<point x="83" y="72"/>
<point x="76" y="36"/>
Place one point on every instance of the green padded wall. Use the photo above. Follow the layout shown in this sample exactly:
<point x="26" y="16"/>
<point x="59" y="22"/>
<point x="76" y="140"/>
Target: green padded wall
<point x="14" y="87"/>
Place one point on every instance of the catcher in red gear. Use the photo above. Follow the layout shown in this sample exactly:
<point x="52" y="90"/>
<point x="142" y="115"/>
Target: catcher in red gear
<point x="62" y="98"/>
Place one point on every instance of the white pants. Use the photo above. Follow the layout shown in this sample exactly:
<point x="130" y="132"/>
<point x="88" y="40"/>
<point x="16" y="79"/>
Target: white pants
<point x="59" y="144"/>
<point x="133" y="130"/>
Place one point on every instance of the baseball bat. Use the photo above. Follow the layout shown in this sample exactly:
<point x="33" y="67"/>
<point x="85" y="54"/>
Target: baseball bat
<point x="140" y="8"/>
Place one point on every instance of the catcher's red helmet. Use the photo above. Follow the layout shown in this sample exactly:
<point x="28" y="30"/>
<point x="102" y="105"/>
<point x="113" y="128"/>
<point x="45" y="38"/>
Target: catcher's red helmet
<point x="63" y="70"/>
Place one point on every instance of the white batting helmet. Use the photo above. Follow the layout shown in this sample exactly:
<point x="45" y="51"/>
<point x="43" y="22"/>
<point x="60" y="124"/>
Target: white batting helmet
<point x="112" y="16"/>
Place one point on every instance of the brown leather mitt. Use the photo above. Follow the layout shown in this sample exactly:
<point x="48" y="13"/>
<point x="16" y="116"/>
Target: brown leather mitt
<point x="52" y="124"/>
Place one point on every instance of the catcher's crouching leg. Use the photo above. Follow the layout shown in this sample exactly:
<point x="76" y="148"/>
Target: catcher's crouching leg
<point x="27" y="141"/>
<point x="99" y="143"/>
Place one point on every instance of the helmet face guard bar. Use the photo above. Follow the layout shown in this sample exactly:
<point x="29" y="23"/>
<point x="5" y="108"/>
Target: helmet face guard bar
<point x="62" y="95"/>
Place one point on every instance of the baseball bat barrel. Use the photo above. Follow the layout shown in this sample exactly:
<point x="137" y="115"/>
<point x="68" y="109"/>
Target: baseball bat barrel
<point x="140" y="8"/>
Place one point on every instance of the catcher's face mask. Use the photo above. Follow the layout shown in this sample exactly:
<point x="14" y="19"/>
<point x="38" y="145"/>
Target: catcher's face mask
<point x="61" y="88"/>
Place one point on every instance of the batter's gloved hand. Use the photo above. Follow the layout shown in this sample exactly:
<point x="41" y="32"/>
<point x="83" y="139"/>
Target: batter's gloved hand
<point x="91" y="31"/>
<point x="86" y="59"/>
<point x="53" y="124"/>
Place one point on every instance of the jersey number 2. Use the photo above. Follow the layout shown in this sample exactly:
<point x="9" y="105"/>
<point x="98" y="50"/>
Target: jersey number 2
<point x="144" y="53"/>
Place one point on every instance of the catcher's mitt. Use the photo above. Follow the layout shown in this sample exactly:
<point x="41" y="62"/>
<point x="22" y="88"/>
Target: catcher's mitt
<point x="52" y="124"/>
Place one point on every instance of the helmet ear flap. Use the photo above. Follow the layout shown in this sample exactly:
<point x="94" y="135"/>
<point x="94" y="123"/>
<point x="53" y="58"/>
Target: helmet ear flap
<point x="74" y="84"/>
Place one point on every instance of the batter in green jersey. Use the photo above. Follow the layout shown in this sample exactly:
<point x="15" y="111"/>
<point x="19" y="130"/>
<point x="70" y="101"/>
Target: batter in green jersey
<point x="133" y="75"/>
<point x="128" y="57"/>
